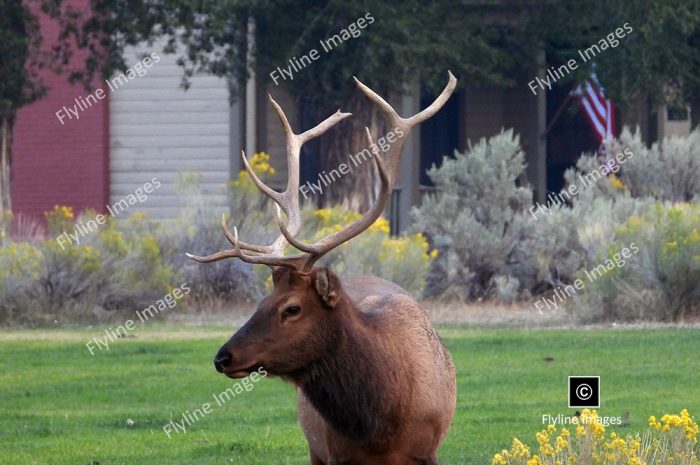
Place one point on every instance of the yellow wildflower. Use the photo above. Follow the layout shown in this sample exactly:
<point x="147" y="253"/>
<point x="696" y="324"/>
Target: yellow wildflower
<point x="561" y="443"/>
<point x="653" y="423"/>
<point x="519" y="450"/>
<point x="615" y="182"/>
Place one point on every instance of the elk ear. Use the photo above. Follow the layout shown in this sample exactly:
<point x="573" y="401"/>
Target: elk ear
<point x="327" y="286"/>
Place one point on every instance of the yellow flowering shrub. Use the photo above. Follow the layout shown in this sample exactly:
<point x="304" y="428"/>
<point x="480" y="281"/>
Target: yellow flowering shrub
<point x="404" y="260"/>
<point x="139" y="270"/>
<point x="119" y="265"/>
<point x="681" y="424"/>
<point x="76" y="257"/>
<point x="20" y="266"/>
<point x="68" y="275"/>
<point x="671" y="441"/>
<point x="59" y="219"/>
<point x="19" y="258"/>
<point x="661" y="280"/>
<point x="151" y="261"/>
<point x="616" y="182"/>
<point x="113" y="240"/>
<point x="5" y="223"/>
<point x="260" y="163"/>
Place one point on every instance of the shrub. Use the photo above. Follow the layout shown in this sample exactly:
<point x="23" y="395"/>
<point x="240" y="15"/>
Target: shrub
<point x="59" y="219"/>
<point x="492" y="246"/>
<point x="668" y="171"/>
<point x="20" y="265"/>
<point x="573" y="237"/>
<point x="225" y="279"/>
<point x="673" y="440"/>
<point x="67" y="273"/>
<point x="43" y="282"/>
<point x="477" y="221"/>
<point x="616" y="211"/>
<point x="120" y="266"/>
<point x="662" y="281"/>
<point x="403" y="260"/>
<point x="198" y="230"/>
<point x="5" y="224"/>
<point x="135" y="268"/>
<point x="128" y="264"/>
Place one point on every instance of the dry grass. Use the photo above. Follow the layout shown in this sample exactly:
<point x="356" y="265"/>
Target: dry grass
<point x="494" y="314"/>
<point x="470" y="314"/>
<point x="181" y="322"/>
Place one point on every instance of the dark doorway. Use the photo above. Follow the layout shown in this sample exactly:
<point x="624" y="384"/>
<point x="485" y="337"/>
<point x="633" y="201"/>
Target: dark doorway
<point x="439" y="136"/>
<point x="310" y="160"/>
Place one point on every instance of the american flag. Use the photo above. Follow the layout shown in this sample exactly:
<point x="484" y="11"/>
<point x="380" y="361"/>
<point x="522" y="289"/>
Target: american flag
<point x="599" y="111"/>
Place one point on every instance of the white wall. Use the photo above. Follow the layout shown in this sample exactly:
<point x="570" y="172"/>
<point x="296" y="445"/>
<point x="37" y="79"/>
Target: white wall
<point x="158" y="129"/>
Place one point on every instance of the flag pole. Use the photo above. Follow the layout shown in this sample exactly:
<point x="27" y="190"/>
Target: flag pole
<point x="558" y="113"/>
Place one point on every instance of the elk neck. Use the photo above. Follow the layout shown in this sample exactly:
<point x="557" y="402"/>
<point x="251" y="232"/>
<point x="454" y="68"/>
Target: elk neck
<point x="354" y="386"/>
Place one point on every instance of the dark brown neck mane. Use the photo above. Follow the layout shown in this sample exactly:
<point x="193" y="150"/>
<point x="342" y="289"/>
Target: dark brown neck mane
<point x="353" y="385"/>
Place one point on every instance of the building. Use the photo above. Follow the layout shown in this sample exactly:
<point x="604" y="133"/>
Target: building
<point x="148" y="127"/>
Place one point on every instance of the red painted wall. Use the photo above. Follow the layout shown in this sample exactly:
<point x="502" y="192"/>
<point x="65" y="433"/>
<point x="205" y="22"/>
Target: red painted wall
<point x="61" y="164"/>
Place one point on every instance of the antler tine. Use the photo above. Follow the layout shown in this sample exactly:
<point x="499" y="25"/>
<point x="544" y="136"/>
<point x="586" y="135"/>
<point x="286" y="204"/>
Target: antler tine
<point x="318" y="249"/>
<point x="236" y="252"/>
<point x="283" y="118"/>
<point x="393" y="157"/>
<point x="233" y="239"/>
<point x="293" y="261"/>
<point x="264" y="188"/>
<point x="290" y="237"/>
<point x="381" y="103"/>
<point x="418" y="117"/>
<point x="323" y="126"/>
<point x="364" y="222"/>
<point x="370" y="141"/>
<point x="295" y="141"/>
<point x="288" y="200"/>
<point x="437" y="103"/>
<point x="215" y="257"/>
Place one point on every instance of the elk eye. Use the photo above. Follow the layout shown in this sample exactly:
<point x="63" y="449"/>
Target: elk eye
<point x="291" y="311"/>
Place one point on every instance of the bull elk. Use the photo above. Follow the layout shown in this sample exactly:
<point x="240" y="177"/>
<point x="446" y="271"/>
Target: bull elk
<point x="375" y="384"/>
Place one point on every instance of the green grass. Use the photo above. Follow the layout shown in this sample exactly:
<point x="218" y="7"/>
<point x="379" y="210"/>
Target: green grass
<point x="61" y="406"/>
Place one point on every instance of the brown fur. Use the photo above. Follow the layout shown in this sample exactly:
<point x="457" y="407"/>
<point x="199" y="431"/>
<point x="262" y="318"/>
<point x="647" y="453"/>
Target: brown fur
<point x="375" y="384"/>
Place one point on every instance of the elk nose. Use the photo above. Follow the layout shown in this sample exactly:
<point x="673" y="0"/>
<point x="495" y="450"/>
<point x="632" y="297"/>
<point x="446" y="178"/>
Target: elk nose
<point x="222" y="360"/>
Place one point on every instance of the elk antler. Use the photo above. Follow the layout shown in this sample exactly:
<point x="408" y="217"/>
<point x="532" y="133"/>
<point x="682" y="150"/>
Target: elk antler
<point x="288" y="201"/>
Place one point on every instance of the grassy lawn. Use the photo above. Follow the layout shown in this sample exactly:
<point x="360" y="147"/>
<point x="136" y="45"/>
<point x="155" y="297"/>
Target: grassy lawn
<point x="61" y="406"/>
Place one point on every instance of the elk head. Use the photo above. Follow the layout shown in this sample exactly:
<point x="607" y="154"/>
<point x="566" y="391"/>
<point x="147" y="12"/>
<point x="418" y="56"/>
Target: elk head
<point x="297" y="323"/>
<point x="292" y="327"/>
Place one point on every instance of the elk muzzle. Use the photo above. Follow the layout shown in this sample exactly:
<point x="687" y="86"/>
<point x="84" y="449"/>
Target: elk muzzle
<point x="236" y="360"/>
<point x="222" y="360"/>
